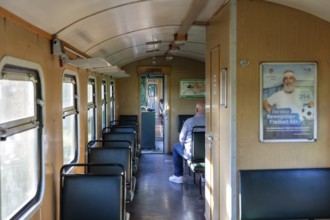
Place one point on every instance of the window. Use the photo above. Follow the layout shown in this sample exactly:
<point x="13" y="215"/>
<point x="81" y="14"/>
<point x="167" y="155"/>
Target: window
<point x="112" y="101"/>
<point x="70" y="118"/>
<point x="104" y="103"/>
<point x="91" y="110"/>
<point x="21" y="165"/>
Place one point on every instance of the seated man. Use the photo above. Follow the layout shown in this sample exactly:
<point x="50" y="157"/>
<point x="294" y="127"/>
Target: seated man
<point x="183" y="149"/>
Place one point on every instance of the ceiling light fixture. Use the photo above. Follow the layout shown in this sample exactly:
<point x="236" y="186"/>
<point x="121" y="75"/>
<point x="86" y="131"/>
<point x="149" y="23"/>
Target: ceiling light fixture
<point x="154" y="42"/>
<point x="153" y="61"/>
<point x="173" y="48"/>
<point x="152" y="51"/>
<point x="168" y="57"/>
<point x="180" y="39"/>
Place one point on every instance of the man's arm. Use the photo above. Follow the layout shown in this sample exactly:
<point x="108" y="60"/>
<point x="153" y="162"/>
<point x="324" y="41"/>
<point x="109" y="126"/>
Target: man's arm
<point x="267" y="106"/>
<point x="184" y="130"/>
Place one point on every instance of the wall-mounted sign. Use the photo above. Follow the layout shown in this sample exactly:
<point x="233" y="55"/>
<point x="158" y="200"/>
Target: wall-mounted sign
<point x="288" y="104"/>
<point x="223" y="88"/>
<point x="192" y="88"/>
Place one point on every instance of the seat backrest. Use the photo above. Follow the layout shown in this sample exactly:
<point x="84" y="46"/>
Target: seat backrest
<point x="120" y="155"/>
<point x="124" y="123"/>
<point x="284" y="194"/>
<point x="128" y="122"/>
<point x="109" y="143"/>
<point x="182" y="119"/>
<point x="119" y="139"/>
<point x="92" y="196"/>
<point x="119" y="129"/>
<point x="119" y="136"/>
<point x="126" y="129"/>
<point x="128" y="118"/>
<point x="198" y="144"/>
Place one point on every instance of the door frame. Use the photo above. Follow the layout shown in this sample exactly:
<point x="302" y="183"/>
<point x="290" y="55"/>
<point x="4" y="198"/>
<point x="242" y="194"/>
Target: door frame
<point x="165" y="71"/>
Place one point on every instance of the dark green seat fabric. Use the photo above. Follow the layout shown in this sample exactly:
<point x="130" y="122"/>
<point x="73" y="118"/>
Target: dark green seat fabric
<point x="120" y="155"/>
<point x="122" y="136"/>
<point x="197" y="167"/>
<point x="197" y="161"/>
<point x="92" y="196"/>
<point x="292" y="193"/>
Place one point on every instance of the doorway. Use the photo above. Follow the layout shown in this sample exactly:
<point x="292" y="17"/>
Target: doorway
<point x="152" y="113"/>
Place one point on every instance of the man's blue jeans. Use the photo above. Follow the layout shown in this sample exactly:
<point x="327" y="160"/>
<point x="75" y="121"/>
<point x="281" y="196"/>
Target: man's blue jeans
<point x="178" y="152"/>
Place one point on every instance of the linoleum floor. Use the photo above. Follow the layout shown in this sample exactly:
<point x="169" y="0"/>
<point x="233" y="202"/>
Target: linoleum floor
<point x="158" y="199"/>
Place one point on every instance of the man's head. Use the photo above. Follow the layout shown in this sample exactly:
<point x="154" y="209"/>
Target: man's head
<point x="200" y="107"/>
<point x="289" y="80"/>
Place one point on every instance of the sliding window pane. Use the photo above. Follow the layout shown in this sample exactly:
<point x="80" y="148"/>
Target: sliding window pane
<point x="90" y="93"/>
<point x="68" y="97"/>
<point x="17" y="100"/>
<point x="19" y="169"/>
<point x="91" y="124"/>
<point x="69" y="139"/>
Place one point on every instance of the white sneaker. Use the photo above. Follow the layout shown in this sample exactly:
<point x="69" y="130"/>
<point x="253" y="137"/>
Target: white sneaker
<point x="176" y="179"/>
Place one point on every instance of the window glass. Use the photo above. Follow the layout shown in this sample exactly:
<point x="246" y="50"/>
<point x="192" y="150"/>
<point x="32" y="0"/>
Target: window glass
<point x="103" y="90"/>
<point x="104" y="115"/>
<point x="90" y="93"/>
<point x="91" y="110"/>
<point x="112" y="101"/>
<point x="91" y="124"/>
<point x="68" y="98"/>
<point x="69" y="138"/>
<point x="19" y="167"/>
<point x="17" y="100"/>
<point x="70" y="119"/>
<point x="104" y="104"/>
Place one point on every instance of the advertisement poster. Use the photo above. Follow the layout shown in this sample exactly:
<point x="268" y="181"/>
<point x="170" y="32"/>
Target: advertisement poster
<point x="288" y="110"/>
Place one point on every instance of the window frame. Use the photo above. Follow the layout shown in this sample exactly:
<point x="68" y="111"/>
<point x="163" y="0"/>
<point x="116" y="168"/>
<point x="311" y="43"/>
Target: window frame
<point x="104" y="101"/>
<point x="70" y="76"/>
<point x="92" y="105"/>
<point x="18" y="69"/>
<point x="112" y="92"/>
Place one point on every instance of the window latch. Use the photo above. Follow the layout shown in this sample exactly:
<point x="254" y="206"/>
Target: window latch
<point x="2" y="134"/>
<point x="40" y="102"/>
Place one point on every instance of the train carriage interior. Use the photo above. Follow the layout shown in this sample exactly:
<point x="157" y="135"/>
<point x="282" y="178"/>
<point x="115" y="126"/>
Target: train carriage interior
<point x="94" y="94"/>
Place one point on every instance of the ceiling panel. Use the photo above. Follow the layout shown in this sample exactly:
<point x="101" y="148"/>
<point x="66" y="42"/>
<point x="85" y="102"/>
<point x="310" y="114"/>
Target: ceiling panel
<point x="319" y="8"/>
<point x="117" y="30"/>
<point x="52" y="16"/>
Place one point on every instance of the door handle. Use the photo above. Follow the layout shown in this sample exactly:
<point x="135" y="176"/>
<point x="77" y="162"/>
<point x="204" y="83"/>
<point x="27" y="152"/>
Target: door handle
<point x="210" y="138"/>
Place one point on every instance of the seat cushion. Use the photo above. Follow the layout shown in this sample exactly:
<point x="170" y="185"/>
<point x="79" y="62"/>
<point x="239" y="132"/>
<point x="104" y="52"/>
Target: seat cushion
<point x="197" y="167"/>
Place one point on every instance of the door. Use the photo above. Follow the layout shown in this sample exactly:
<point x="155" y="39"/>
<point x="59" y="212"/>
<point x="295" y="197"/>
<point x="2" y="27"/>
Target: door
<point x="152" y="113"/>
<point x="212" y="193"/>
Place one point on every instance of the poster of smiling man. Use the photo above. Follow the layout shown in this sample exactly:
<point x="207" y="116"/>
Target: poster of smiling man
<point x="288" y="102"/>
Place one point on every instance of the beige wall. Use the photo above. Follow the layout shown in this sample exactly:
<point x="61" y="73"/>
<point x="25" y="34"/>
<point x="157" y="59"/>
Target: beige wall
<point x="218" y="36"/>
<point x="181" y="68"/>
<point x="269" y="32"/>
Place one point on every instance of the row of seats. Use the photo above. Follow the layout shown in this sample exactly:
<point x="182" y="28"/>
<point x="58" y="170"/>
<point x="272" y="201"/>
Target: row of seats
<point x="113" y="157"/>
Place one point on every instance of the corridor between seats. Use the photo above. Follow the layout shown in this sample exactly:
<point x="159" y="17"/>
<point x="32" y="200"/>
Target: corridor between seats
<point x="158" y="199"/>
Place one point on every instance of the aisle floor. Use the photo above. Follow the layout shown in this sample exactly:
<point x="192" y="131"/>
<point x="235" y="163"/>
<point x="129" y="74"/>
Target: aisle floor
<point x="158" y="199"/>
